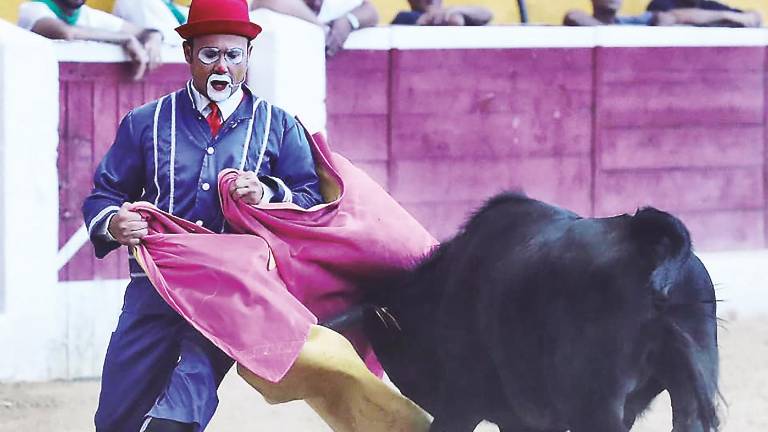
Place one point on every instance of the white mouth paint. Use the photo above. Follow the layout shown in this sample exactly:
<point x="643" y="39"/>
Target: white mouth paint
<point x="220" y="95"/>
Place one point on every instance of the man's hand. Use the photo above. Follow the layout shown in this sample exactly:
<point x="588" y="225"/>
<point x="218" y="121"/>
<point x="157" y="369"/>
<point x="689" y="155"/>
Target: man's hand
<point x="247" y="187"/>
<point x="745" y="19"/>
<point x="153" y="45"/>
<point x="337" y="34"/>
<point x="127" y="226"/>
<point x="138" y="55"/>
<point x="441" y="17"/>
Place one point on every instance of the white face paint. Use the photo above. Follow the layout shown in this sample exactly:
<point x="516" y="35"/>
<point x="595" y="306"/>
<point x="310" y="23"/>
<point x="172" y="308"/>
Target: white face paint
<point x="218" y="92"/>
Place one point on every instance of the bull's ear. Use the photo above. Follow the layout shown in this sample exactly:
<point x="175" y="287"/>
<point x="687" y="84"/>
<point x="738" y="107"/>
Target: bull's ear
<point x="662" y="232"/>
<point x="665" y="239"/>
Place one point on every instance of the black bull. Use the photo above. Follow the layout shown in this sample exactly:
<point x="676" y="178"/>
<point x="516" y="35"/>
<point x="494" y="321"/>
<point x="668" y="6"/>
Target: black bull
<point x="539" y="320"/>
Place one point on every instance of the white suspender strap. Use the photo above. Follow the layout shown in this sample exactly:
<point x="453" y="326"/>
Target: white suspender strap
<point x="154" y="143"/>
<point x="265" y="139"/>
<point x="248" y="135"/>
<point x="173" y="151"/>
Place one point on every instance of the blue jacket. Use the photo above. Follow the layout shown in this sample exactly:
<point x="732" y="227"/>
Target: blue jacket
<point x="174" y="162"/>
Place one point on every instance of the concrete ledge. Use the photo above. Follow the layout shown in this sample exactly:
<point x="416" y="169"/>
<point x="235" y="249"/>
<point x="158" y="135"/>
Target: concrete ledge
<point x="98" y="52"/>
<point x="413" y="37"/>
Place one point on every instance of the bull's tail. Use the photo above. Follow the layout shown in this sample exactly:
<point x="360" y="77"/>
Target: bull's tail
<point x="692" y="387"/>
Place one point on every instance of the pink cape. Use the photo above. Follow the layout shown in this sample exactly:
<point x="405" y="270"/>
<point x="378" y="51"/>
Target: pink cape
<point x="256" y="293"/>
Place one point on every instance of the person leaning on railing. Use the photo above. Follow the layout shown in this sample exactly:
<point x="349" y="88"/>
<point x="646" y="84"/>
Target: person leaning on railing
<point x="702" y="12"/>
<point x="74" y="20"/>
<point x="433" y="13"/>
<point x="163" y="15"/>
<point x="339" y="18"/>
<point x="665" y="13"/>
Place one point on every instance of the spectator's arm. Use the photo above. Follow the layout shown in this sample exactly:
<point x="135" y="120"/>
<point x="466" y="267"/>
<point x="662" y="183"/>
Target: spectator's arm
<point x="473" y="15"/>
<point x="296" y="8"/>
<point x="580" y="18"/>
<point x="366" y="14"/>
<point x="54" y="28"/>
<point x="142" y="46"/>
<point x="339" y="29"/>
<point x="704" y="17"/>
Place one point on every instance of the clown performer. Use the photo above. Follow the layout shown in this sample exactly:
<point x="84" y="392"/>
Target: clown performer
<point x="160" y="374"/>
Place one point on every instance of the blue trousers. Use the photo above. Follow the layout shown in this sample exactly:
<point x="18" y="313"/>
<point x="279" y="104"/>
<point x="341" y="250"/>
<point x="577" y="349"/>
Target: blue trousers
<point x="158" y="365"/>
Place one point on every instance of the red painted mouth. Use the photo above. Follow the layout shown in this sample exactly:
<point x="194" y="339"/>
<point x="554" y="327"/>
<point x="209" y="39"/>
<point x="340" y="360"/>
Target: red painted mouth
<point x="219" y="85"/>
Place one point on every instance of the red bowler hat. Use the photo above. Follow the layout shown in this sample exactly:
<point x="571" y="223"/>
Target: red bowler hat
<point x="218" y="17"/>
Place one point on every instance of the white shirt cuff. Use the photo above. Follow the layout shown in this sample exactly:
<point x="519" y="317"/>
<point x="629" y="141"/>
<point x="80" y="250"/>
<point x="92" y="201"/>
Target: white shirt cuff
<point x="102" y="229"/>
<point x="267" y="195"/>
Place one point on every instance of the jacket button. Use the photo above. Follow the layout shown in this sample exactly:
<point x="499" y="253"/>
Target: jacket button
<point x="210" y="150"/>
<point x="206" y="186"/>
<point x="199" y="223"/>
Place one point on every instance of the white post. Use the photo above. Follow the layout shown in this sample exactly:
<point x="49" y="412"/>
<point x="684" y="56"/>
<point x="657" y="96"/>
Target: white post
<point x="288" y="66"/>
<point x="32" y="315"/>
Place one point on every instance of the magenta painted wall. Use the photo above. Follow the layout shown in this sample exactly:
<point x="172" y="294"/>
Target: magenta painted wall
<point x="600" y="131"/>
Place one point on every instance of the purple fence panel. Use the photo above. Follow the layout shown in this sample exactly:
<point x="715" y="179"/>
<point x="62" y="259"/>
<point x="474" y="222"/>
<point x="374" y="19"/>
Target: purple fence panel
<point x="358" y="108"/>
<point x="565" y="181"/>
<point x="105" y="125"/>
<point x="379" y="171"/>
<point x="62" y="164"/>
<point x="681" y="86"/>
<point x="444" y="218"/>
<point x="491" y="80"/>
<point x="726" y="229"/>
<point x="75" y="168"/>
<point x="361" y="137"/>
<point x="764" y="159"/>
<point x="680" y="190"/>
<point x="358" y="82"/>
<point x="674" y="147"/>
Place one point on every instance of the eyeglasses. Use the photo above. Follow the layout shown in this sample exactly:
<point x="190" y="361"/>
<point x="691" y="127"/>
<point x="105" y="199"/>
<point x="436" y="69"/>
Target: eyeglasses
<point x="233" y="56"/>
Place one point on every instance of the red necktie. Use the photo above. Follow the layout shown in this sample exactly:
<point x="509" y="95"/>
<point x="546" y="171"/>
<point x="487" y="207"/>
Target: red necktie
<point x="214" y="118"/>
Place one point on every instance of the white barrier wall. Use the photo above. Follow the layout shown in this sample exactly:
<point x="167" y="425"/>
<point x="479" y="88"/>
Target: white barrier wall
<point x="32" y="320"/>
<point x="288" y="66"/>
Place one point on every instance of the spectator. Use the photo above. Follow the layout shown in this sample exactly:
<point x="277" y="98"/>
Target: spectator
<point x="74" y="20"/>
<point x="164" y="15"/>
<point x="338" y="17"/>
<point x="605" y="12"/>
<point x="702" y="12"/>
<point x="432" y="12"/>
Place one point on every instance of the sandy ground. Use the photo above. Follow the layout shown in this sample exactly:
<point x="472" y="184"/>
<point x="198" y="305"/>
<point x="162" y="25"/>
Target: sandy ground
<point x="69" y="406"/>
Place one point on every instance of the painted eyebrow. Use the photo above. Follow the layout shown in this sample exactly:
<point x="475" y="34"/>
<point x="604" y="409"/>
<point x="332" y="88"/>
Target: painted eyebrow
<point x="217" y="48"/>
